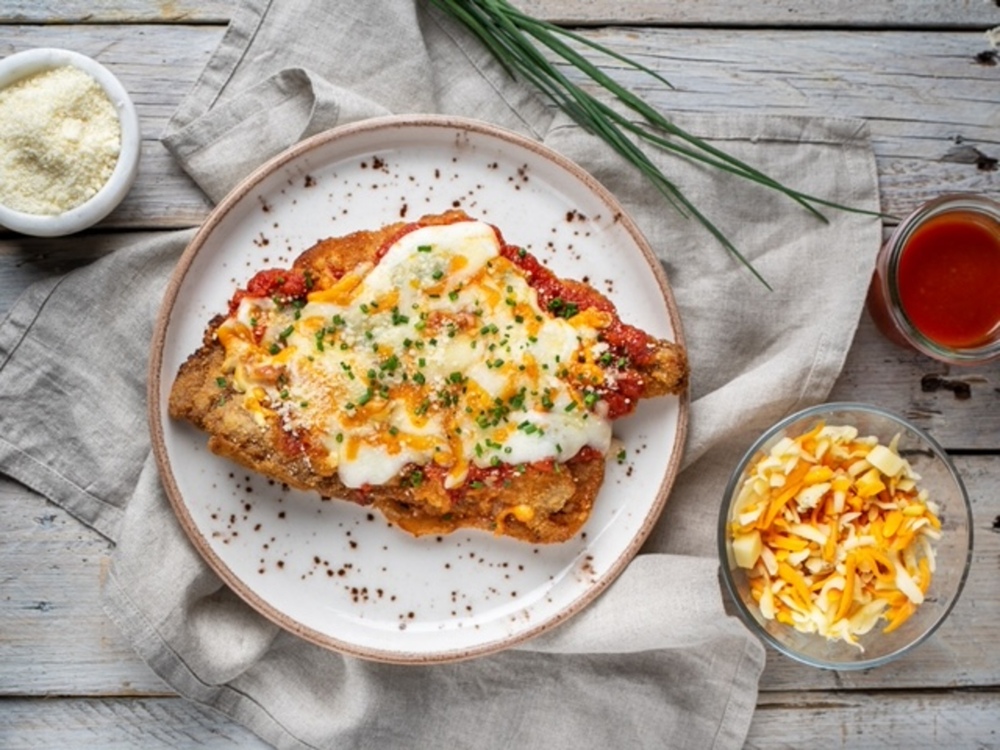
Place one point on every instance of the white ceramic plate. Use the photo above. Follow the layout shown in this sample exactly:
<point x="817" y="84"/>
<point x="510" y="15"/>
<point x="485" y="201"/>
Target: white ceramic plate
<point x="335" y="573"/>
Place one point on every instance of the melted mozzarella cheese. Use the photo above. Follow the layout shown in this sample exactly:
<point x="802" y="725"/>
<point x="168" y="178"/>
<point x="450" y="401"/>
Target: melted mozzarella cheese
<point x="439" y="353"/>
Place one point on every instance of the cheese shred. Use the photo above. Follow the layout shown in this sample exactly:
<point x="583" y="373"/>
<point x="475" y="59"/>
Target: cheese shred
<point x="835" y="534"/>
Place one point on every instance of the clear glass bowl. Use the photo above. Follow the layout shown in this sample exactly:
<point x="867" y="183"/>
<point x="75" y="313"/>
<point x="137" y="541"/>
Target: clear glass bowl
<point x="953" y="551"/>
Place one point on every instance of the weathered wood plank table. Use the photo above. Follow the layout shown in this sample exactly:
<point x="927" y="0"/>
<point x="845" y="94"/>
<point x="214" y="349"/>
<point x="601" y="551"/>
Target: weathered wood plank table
<point x="923" y="74"/>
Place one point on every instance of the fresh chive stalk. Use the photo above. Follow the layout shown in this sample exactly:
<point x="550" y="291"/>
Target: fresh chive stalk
<point x="517" y="40"/>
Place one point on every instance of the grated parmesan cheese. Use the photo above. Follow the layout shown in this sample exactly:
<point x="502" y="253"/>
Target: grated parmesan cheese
<point x="59" y="141"/>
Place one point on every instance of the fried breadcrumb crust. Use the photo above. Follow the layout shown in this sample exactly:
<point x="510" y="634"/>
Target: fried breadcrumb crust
<point x="560" y="495"/>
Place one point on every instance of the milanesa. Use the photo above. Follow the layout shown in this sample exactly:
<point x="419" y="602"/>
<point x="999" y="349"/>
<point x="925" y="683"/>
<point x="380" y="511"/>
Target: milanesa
<point x="431" y="371"/>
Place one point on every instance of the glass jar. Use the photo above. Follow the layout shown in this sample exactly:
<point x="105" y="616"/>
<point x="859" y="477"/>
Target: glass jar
<point x="936" y="287"/>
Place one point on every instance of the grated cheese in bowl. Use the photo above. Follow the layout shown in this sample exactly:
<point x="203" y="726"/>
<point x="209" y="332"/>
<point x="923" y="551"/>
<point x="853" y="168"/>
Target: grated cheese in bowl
<point x="69" y="142"/>
<point x="832" y="538"/>
<point x="836" y="533"/>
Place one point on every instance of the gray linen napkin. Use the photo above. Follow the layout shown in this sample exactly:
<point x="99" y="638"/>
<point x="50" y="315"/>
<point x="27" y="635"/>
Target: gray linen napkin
<point x="654" y="661"/>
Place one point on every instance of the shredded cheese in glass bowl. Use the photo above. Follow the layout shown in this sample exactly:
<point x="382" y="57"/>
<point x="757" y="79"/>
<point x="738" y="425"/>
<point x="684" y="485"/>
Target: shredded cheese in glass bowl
<point x="845" y="536"/>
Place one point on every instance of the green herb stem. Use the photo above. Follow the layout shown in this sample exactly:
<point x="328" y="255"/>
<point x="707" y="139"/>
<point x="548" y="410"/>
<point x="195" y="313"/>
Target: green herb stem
<point x="516" y="40"/>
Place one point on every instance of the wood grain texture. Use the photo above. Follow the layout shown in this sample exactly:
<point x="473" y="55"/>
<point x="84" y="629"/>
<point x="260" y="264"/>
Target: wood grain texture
<point x="57" y="640"/>
<point x="116" y="11"/>
<point x="928" y="720"/>
<point x="833" y="721"/>
<point x="940" y="14"/>
<point x="958" y="406"/>
<point x="945" y="14"/>
<point x="101" y="724"/>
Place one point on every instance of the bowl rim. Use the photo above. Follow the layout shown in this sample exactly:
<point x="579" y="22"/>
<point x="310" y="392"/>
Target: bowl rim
<point x="20" y="65"/>
<point x="736" y="477"/>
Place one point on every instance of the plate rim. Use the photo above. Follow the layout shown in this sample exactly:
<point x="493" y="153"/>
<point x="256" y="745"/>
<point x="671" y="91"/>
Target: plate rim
<point x="155" y="415"/>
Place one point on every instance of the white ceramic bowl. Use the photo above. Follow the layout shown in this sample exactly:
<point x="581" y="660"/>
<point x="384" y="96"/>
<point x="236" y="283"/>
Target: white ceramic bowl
<point x="23" y="64"/>
<point x="953" y="550"/>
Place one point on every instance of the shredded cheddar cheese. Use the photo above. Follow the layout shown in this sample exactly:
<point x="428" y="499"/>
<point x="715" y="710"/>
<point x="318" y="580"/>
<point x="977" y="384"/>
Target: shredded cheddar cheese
<point x="835" y="534"/>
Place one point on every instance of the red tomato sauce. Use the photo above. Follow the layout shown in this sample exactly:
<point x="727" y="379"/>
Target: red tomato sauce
<point x="285" y="284"/>
<point x="630" y="347"/>
<point x="949" y="280"/>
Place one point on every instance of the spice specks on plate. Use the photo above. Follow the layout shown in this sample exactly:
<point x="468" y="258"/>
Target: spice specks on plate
<point x="340" y="573"/>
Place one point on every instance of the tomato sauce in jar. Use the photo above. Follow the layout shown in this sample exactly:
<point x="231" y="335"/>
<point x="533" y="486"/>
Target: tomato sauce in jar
<point x="949" y="279"/>
<point x="937" y="285"/>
